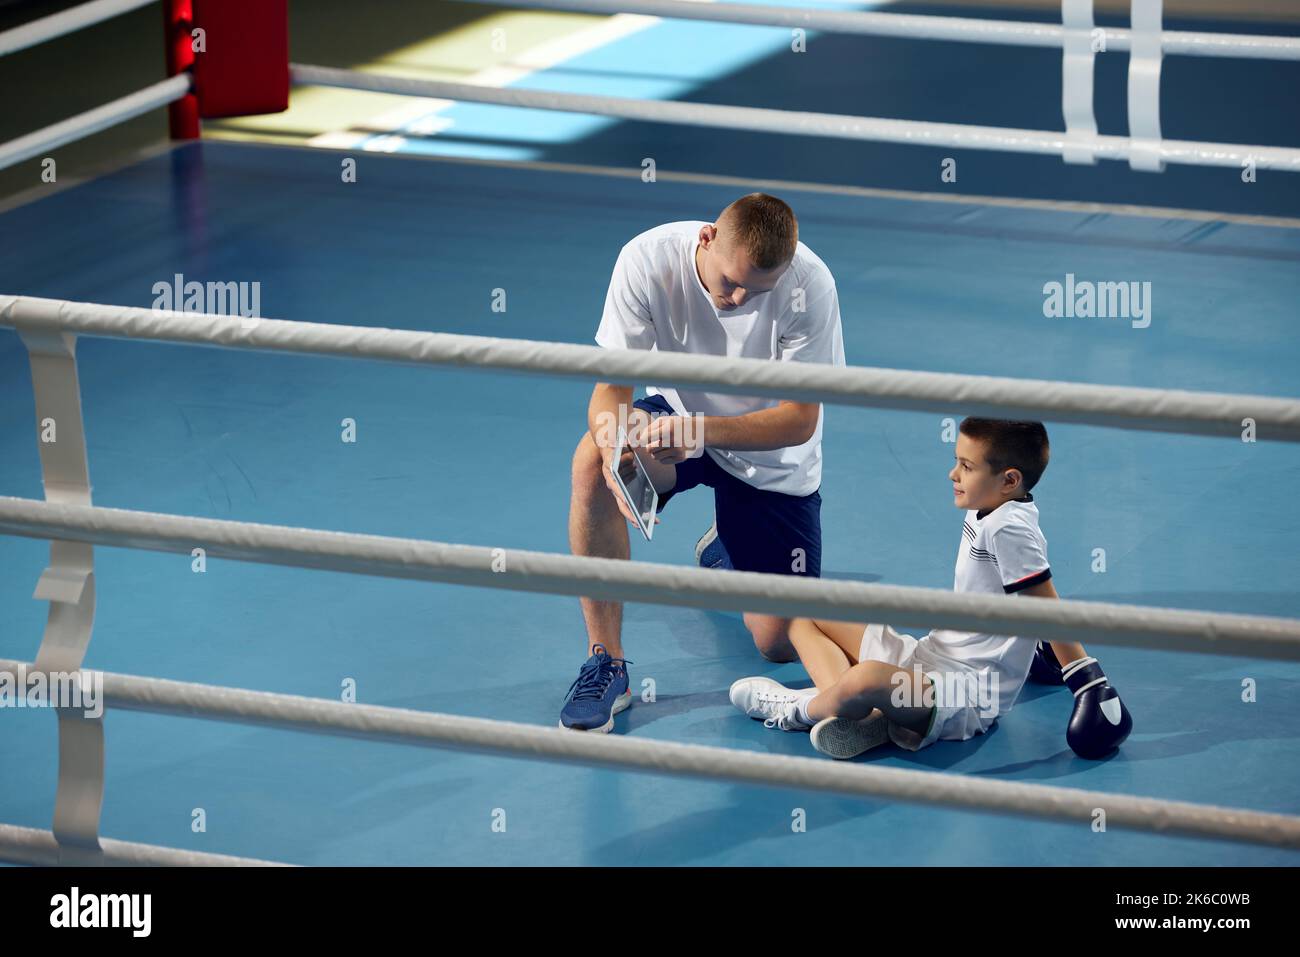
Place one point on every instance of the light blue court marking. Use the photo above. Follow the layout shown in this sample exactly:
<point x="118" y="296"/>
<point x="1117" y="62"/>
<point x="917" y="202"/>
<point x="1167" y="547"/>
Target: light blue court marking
<point x="662" y="62"/>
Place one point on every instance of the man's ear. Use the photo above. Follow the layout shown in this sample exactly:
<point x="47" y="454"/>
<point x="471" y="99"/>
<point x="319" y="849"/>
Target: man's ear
<point x="1013" y="478"/>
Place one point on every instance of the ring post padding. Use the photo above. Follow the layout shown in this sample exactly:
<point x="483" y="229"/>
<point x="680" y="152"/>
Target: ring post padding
<point x="178" y="21"/>
<point x="1076" y="82"/>
<point x="243" y="66"/>
<point x="1144" y="61"/>
<point x="68" y="584"/>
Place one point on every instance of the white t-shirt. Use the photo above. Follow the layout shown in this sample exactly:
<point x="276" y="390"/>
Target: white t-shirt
<point x="1003" y="552"/>
<point x="656" y="301"/>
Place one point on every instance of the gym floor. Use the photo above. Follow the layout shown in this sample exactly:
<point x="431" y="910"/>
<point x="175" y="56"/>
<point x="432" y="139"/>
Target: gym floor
<point x="421" y="243"/>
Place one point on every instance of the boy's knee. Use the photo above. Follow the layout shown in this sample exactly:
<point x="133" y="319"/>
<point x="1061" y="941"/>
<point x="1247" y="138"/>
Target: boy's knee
<point x="869" y="678"/>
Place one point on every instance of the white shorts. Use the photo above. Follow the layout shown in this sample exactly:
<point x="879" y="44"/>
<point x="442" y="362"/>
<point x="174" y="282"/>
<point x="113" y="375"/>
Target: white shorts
<point x="948" y="721"/>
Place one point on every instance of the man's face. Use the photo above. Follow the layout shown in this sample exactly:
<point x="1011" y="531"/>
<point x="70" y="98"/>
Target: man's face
<point x="727" y="272"/>
<point x="974" y="483"/>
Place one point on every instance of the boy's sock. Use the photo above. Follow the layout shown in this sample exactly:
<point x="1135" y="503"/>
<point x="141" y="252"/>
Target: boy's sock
<point x="801" y="707"/>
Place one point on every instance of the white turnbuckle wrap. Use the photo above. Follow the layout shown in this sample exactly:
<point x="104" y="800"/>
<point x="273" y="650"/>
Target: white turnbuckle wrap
<point x="1144" y="61"/>
<point x="68" y="584"/>
<point x="1078" y="51"/>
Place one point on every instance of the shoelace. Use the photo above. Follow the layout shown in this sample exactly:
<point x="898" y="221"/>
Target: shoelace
<point x="784" y="721"/>
<point x="778" y="707"/>
<point x="595" y="676"/>
<point x="771" y="704"/>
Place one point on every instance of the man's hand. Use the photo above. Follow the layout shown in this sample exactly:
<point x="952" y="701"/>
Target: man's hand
<point x="674" y="438"/>
<point x="626" y="470"/>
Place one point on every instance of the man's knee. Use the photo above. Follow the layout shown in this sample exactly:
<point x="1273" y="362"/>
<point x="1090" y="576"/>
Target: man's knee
<point x="771" y="637"/>
<point x="587" y="458"/>
<point x="587" y="464"/>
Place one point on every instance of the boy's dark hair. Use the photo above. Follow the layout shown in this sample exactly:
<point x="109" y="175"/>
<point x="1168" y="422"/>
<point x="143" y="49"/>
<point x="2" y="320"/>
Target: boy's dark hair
<point x="1012" y="445"/>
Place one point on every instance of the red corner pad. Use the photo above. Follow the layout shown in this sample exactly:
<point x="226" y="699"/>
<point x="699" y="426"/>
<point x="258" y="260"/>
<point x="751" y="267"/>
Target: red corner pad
<point x="243" y="66"/>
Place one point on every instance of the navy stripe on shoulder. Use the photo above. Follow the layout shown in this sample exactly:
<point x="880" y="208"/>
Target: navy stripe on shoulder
<point x="1036" y="579"/>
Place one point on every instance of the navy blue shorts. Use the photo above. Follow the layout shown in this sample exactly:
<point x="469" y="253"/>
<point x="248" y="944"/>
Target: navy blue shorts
<point x="763" y="531"/>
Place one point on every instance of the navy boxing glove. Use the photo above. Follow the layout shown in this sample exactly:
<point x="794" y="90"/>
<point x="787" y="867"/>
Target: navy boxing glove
<point x="1100" y="722"/>
<point x="1045" y="669"/>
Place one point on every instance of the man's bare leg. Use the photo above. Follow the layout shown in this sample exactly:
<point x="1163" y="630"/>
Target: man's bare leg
<point x="597" y="528"/>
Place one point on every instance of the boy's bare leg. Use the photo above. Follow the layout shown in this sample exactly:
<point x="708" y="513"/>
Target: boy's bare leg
<point x="826" y="648"/>
<point x="870" y="685"/>
<point x="1067" y="651"/>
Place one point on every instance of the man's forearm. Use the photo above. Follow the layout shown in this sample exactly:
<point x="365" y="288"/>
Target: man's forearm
<point x="787" y="425"/>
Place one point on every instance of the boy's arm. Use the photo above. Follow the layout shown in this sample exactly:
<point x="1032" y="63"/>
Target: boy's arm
<point x="1100" y="722"/>
<point x="1065" y="651"/>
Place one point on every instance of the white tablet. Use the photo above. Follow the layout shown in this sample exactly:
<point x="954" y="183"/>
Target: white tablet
<point x="638" y="492"/>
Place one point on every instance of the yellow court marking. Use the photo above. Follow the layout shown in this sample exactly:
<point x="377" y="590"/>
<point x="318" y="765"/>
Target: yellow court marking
<point x="496" y="49"/>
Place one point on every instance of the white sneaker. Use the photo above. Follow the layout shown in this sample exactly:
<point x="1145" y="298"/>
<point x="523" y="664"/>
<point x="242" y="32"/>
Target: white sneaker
<point x="843" y="738"/>
<point x="770" y="702"/>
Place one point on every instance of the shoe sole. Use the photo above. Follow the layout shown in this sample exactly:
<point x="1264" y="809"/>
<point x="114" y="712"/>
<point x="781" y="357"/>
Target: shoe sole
<point x="843" y="738"/>
<point x="621" y="703"/>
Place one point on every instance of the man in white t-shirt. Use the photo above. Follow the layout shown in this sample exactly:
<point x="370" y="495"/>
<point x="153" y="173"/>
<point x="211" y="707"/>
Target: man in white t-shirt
<point x="746" y="287"/>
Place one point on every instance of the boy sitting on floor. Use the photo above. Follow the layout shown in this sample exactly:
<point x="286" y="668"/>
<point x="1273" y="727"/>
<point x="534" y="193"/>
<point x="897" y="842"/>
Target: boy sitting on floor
<point x="874" y="684"/>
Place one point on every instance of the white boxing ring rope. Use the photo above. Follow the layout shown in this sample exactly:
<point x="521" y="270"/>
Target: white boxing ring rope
<point x="792" y="122"/>
<point x="1167" y="410"/>
<point x="64" y="22"/>
<point x="49" y="327"/>
<point x="403" y="726"/>
<point x="920" y="27"/>
<point x="1202" y="632"/>
<point x="92" y="121"/>
<point x="1144" y="149"/>
<point x="853" y="22"/>
<point x="37" y="847"/>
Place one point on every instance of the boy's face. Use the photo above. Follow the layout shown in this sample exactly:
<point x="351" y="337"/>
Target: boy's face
<point x="974" y="483"/>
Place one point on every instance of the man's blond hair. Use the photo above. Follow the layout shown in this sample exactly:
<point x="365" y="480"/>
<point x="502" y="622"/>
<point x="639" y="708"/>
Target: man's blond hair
<point x="764" y="227"/>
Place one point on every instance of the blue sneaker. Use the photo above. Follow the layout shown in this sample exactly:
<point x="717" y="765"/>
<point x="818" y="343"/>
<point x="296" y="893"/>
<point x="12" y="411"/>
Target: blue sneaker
<point x="598" y="693"/>
<point x="709" y="550"/>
